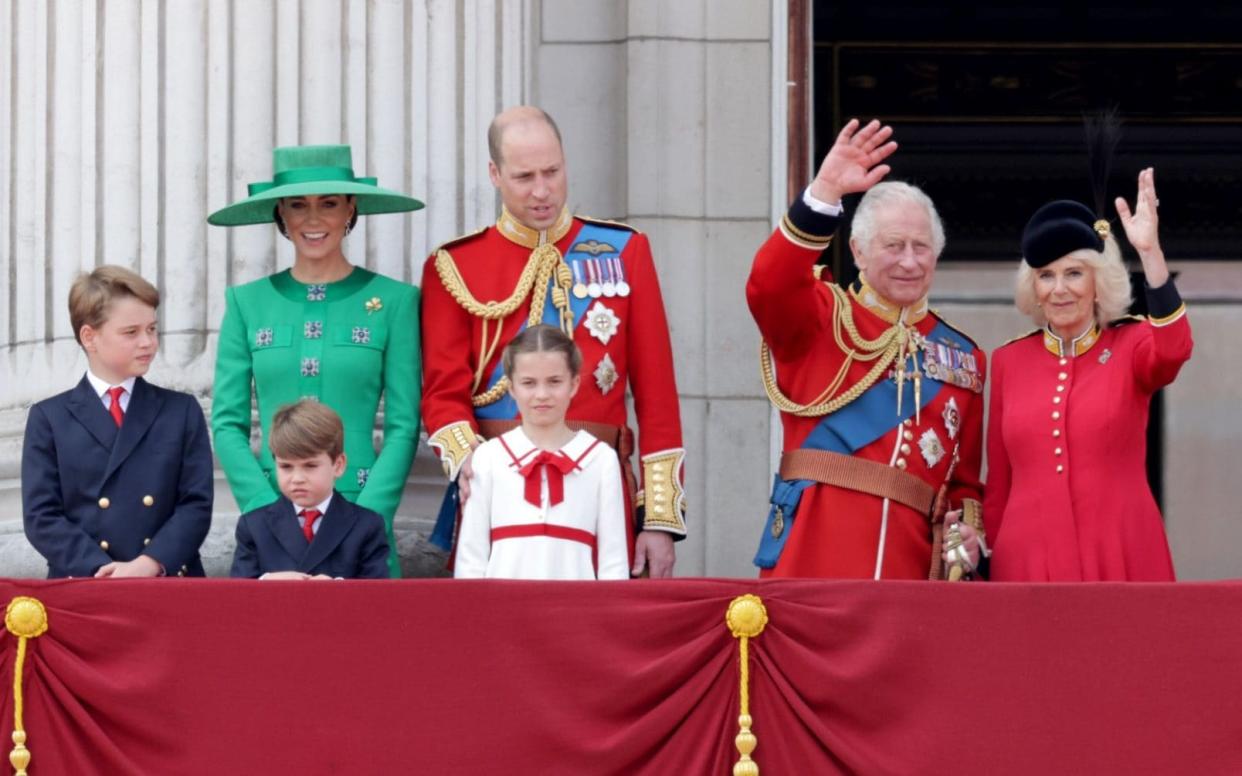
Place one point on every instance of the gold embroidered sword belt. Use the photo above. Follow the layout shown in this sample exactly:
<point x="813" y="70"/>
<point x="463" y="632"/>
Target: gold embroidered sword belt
<point x="864" y="476"/>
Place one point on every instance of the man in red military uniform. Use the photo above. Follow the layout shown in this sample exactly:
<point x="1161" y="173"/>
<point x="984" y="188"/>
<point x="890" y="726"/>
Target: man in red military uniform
<point x="597" y="281"/>
<point x="881" y="400"/>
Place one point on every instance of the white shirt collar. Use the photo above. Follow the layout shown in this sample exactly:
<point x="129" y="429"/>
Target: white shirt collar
<point x="322" y="506"/>
<point x="101" y="386"/>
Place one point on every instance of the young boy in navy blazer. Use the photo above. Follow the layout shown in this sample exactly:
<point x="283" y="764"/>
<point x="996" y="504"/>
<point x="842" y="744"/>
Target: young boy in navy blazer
<point x="116" y="473"/>
<point x="311" y="532"/>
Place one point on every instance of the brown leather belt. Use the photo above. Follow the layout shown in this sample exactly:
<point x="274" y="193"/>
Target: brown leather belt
<point x="861" y="475"/>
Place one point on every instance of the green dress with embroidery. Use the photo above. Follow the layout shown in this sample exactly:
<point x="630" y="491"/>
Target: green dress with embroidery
<point x="346" y="344"/>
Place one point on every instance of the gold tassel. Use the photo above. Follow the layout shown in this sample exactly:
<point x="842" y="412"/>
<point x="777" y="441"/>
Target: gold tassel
<point x="746" y="619"/>
<point x="25" y="618"/>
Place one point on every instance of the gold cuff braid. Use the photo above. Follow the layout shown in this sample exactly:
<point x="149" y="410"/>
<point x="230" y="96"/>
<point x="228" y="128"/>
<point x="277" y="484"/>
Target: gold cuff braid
<point x="454" y="442"/>
<point x="662" y="497"/>
<point x="972" y="515"/>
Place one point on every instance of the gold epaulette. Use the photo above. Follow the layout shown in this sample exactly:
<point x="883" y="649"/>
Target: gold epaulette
<point x="461" y="239"/>
<point x="1021" y="337"/>
<point x="606" y="222"/>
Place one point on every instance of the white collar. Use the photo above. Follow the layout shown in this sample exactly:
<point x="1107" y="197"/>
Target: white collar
<point x="322" y="506"/>
<point x="521" y="446"/>
<point x="101" y="386"/>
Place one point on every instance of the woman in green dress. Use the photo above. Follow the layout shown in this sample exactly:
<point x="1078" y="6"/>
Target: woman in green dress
<point x="324" y="328"/>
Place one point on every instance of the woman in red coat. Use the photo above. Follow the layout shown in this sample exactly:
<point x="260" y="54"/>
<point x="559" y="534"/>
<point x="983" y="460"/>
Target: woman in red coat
<point x="1067" y="497"/>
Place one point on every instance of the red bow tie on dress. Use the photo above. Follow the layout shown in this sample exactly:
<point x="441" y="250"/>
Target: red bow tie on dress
<point x="557" y="465"/>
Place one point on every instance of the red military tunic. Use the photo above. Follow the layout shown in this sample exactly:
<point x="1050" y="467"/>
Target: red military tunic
<point x="623" y="337"/>
<point x="844" y="532"/>
<point x="1067" y="496"/>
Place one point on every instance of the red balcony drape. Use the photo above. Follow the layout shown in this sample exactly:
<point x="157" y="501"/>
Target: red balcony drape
<point x="480" y="677"/>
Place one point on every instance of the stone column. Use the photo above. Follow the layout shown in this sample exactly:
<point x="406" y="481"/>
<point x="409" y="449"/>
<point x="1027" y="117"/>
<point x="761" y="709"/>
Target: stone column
<point x="126" y="122"/>
<point x="666" y="113"/>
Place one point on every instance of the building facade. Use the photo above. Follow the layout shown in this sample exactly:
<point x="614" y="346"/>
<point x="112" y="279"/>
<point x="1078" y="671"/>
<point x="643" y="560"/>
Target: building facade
<point x="126" y="121"/>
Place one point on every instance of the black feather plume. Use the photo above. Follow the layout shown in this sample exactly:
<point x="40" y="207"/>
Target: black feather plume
<point x="1103" y="131"/>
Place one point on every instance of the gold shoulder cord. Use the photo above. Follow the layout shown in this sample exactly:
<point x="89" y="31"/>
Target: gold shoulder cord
<point x="884" y="350"/>
<point x="545" y="262"/>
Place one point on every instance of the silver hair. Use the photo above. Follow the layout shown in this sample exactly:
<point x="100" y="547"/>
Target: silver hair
<point x="1112" y="284"/>
<point x="862" y="228"/>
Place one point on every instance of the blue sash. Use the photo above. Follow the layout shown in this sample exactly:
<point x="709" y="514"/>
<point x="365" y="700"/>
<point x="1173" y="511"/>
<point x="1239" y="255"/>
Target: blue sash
<point x="849" y="429"/>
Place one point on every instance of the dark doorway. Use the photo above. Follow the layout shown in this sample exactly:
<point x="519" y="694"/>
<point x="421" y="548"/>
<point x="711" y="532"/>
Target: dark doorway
<point x="987" y="103"/>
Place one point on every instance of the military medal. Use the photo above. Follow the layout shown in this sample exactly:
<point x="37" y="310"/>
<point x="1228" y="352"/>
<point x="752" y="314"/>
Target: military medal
<point x="931" y="448"/>
<point x="609" y="286"/>
<point x="952" y="418"/>
<point x="580" y="288"/>
<point x="602" y="322"/>
<point x="593" y="288"/>
<point x="623" y="288"/>
<point x="606" y="374"/>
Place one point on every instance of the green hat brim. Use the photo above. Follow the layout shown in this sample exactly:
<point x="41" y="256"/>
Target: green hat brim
<point x="257" y="209"/>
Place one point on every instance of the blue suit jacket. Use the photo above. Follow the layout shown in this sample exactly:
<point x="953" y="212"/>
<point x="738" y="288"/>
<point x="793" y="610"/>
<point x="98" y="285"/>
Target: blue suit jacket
<point x="350" y="543"/>
<point x="93" y="493"/>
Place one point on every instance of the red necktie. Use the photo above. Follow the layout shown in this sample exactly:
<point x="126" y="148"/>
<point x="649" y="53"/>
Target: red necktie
<point x="118" y="414"/>
<point x="308" y="527"/>
<point x="557" y="465"/>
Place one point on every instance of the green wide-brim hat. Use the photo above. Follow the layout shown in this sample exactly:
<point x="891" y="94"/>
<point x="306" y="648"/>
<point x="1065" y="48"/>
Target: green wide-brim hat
<point x="299" y="171"/>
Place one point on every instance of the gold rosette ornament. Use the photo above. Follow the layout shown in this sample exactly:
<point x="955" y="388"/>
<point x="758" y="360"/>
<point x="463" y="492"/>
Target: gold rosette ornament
<point x="746" y="618"/>
<point x="25" y="618"/>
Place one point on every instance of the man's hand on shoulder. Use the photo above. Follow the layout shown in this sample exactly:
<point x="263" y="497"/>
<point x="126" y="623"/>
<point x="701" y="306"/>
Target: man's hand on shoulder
<point x="854" y="163"/>
<point x="653" y="551"/>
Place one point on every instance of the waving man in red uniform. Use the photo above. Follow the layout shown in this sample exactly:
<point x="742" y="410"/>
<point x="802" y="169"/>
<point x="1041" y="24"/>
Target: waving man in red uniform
<point x="596" y="280"/>
<point x="880" y="399"/>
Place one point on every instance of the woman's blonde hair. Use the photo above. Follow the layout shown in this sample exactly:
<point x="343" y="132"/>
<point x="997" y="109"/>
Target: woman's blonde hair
<point x="1112" y="284"/>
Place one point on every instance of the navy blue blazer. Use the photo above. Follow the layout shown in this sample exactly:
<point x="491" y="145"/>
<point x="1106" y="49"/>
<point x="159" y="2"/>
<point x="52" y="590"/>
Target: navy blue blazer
<point x="93" y="493"/>
<point x="350" y="543"/>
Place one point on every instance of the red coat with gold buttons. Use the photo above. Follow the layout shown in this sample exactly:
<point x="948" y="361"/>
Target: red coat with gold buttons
<point x="836" y="531"/>
<point x="1067" y="497"/>
<point x="623" y="337"/>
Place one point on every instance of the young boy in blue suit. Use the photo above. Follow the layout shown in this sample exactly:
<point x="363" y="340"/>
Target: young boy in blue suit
<point x="116" y="473"/>
<point x="311" y="532"/>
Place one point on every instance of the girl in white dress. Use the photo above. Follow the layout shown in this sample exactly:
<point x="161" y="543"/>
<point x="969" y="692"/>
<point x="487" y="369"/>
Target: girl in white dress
<point x="545" y="500"/>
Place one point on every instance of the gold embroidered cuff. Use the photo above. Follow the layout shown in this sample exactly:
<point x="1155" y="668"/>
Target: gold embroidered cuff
<point x="1168" y="319"/>
<point x="662" y="499"/>
<point x="972" y="515"/>
<point x="801" y="238"/>
<point x="453" y="443"/>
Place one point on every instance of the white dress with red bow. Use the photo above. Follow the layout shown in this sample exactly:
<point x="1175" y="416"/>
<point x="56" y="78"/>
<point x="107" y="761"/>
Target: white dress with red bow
<point x="537" y="514"/>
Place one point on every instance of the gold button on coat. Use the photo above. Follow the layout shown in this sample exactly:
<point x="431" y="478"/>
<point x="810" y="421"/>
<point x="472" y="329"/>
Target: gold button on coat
<point x="146" y="541"/>
<point x="901" y="463"/>
<point x="104" y="503"/>
<point x="148" y="500"/>
<point x="1060" y="468"/>
<point x="103" y="545"/>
